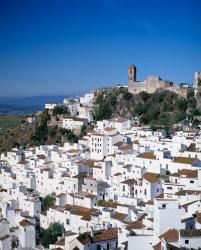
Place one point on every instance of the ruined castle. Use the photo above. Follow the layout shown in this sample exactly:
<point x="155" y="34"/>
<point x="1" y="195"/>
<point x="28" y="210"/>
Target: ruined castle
<point x="153" y="83"/>
<point x="149" y="85"/>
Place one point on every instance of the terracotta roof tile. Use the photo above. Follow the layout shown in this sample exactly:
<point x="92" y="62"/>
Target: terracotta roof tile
<point x="186" y="173"/>
<point x="188" y="192"/>
<point x="147" y="155"/>
<point x="172" y="235"/>
<point x="184" y="160"/>
<point x="99" y="236"/>
<point x="190" y="233"/>
<point x="151" y="177"/>
<point x="119" y="216"/>
<point x="135" y="225"/>
<point x="198" y="217"/>
<point x="25" y="223"/>
<point x="129" y="182"/>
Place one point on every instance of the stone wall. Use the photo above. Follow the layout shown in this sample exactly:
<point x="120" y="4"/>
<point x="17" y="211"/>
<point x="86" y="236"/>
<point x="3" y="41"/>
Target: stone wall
<point x="150" y="85"/>
<point x="153" y="83"/>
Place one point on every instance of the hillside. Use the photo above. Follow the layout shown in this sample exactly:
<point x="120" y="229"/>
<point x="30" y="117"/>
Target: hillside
<point x="162" y="108"/>
<point x="37" y="133"/>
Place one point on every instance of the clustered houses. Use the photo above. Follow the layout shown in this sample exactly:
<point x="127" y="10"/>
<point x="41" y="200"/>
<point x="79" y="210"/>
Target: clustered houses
<point x="120" y="186"/>
<point x="80" y="113"/>
<point x="81" y="107"/>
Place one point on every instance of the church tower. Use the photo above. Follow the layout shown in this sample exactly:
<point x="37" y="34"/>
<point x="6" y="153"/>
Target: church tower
<point x="132" y="73"/>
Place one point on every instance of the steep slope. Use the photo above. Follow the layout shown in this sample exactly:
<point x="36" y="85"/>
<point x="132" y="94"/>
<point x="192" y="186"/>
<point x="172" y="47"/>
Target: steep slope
<point x="162" y="108"/>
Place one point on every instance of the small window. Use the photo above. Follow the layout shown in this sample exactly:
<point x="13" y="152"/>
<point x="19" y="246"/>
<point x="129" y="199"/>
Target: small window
<point x="164" y="206"/>
<point x="186" y="241"/>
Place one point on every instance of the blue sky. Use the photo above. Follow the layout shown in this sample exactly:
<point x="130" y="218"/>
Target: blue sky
<point x="54" y="47"/>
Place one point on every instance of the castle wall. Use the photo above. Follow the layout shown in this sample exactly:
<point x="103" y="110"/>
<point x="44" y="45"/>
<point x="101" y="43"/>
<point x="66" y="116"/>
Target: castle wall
<point x="150" y="85"/>
<point x="136" y="87"/>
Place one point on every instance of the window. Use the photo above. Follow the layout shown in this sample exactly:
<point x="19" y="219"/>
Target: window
<point x="170" y="188"/>
<point x="186" y="241"/>
<point x="191" y="181"/>
<point x="164" y="206"/>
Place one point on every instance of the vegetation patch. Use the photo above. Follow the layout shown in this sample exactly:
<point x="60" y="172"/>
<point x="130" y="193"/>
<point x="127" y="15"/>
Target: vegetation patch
<point x="10" y="120"/>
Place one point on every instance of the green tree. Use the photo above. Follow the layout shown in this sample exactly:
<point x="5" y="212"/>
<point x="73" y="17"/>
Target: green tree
<point x="192" y="102"/>
<point x="144" y="96"/>
<point x="159" y="96"/>
<point x="196" y="112"/>
<point x="127" y="96"/>
<point x="102" y="111"/>
<point x="153" y="112"/>
<point x="47" y="202"/>
<point x="61" y="110"/>
<point x="112" y="99"/>
<point x="167" y="107"/>
<point x="140" y="108"/>
<point x="69" y="135"/>
<point x="181" y="104"/>
<point x="51" y="234"/>
<point x="83" y="130"/>
<point x="99" y="99"/>
<point x="190" y="93"/>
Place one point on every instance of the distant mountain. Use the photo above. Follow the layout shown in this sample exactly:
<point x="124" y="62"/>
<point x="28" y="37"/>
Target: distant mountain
<point x="6" y="109"/>
<point x="26" y="105"/>
<point x="31" y="101"/>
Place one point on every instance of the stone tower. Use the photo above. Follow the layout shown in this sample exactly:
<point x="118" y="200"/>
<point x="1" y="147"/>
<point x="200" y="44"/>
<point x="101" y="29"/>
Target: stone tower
<point x="197" y="82"/>
<point x="132" y="73"/>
